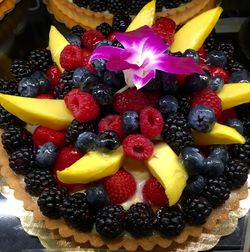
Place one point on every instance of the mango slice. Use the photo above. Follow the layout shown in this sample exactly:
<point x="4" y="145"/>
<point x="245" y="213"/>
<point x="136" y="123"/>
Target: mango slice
<point x="44" y="112"/>
<point x="234" y="94"/>
<point x="57" y="42"/>
<point x="193" y="34"/>
<point x="144" y="17"/>
<point x="166" y="167"/>
<point x="92" y="166"/>
<point x="220" y="134"/>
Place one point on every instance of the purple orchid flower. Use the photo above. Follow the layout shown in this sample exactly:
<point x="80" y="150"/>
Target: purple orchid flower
<point x="142" y="55"/>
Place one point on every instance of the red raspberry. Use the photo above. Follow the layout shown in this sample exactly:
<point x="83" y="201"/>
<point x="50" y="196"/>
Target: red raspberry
<point x="120" y="186"/>
<point x="82" y="105"/>
<point x="112" y="122"/>
<point x="71" y="57"/>
<point x="112" y="36"/>
<point x="43" y="135"/>
<point x="209" y="98"/>
<point x="181" y="78"/>
<point x="202" y="54"/>
<point x="205" y="67"/>
<point x="131" y="99"/>
<point x="86" y="53"/>
<point x="151" y="122"/>
<point x="165" y="28"/>
<point x="218" y="71"/>
<point x="227" y="114"/>
<point x="154" y="193"/>
<point x="91" y="38"/>
<point x="53" y="74"/>
<point x="138" y="147"/>
<point x="152" y="97"/>
<point x="45" y="96"/>
<point x="65" y="158"/>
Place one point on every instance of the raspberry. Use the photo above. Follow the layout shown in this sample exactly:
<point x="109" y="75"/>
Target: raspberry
<point x="130" y="99"/>
<point x="227" y="114"/>
<point x="45" y="96"/>
<point x="120" y="186"/>
<point x="154" y="193"/>
<point x="91" y="38"/>
<point x="138" y="147"/>
<point x="152" y="97"/>
<point x="112" y="36"/>
<point x="53" y="74"/>
<point x="209" y="98"/>
<point x="43" y="135"/>
<point x="181" y="78"/>
<point x="220" y="72"/>
<point x="86" y="53"/>
<point x="82" y="105"/>
<point x="112" y="122"/>
<point x="165" y="28"/>
<point x="151" y="122"/>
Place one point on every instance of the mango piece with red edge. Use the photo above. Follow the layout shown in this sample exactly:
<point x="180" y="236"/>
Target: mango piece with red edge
<point x="234" y="94"/>
<point x="92" y="166"/>
<point x="193" y="34"/>
<point x="48" y="113"/>
<point x="220" y="134"/>
<point x="167" y="168"/>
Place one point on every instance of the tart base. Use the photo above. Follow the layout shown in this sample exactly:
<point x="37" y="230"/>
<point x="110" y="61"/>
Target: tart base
<point x="60" y="230"/>
<point x="6" y="6"/>
<point x="71" y="15"/>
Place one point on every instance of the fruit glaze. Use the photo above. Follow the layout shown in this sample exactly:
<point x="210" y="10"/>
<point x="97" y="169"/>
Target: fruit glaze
<point x="141" y="130"/>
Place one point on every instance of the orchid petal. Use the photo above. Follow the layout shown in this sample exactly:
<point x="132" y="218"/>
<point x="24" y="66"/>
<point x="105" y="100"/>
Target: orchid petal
<point x="117" y="64"/>
<point x="140" y="82"/>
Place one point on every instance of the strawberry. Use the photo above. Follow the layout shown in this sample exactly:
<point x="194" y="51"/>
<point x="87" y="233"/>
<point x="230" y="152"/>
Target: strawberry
<point x="154" y="193"/>
<point x="120" y="186"/>
<point x="202" y="55"/>
<point x="112" y="37"/>
<point x="218" y="71"/>
<point x="53" y="74"/>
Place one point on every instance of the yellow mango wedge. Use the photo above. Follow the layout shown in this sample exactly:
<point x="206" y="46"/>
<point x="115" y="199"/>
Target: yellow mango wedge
<point x="144" y="17"/>
<point x="193" y="34"/>
<point x="220" y="134"/>
<point x="166" y="167"/>
<point x="45" y="112"/>
<point x="57" y="42"/>
<point x="234" y="94"/>
<point x="92" y="166"/>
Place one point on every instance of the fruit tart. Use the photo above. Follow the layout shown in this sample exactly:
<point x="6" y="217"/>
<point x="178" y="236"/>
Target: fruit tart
<point x="91" y="13"/>
<point x="6" y="6"/>
<point x="128" y="139"/>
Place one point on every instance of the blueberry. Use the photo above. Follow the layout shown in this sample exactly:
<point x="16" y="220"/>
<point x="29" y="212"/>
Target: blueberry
<point x="104" y="43"/>
<point x="74" y="39"/>
<point x="112" y="80"/>
<point x="216" y="83"/>
<point x="117" y="44"/>
<point x="193" y="160"/>
<point x="108" y="140"/>
<point x="88" y="82"/>
<point x="42" y="80"/>
<point x="239" y="76"/>
<point x="79" y="75"/>
<point x="168" y="104"/>
<point x="97" y="197"/>
<point x="192" y="54"/>
<point x="86" y="141"/>
<point x="170" y="84"/>
<point x="102" y="94"/>
<point x="216" y="58"/>
<point x="236" y="124"/>
<point x="28" y="87"/>
<point x="219" y="152"/>
<point x="196" y="82"/>
<point x="201" y="118"/>
<point x="195" y="187"/>
<point x="213" y="167"/>
<point x="130" y="122"/>
<point x="46" y="155"/>
<point x="100" y="66"/>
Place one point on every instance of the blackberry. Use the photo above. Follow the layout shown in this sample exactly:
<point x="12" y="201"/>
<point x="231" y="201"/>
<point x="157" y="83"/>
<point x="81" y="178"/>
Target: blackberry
<point x="6" y="119"/>
<point x="184" y="101"/>
<point x="104" y="28"/>
<point x="98" y="5"/>
<point x="9" y="87"/>
<point x="64" y="85"/>
<point x="76" y="128"/>
<point x="15" y="137"/>
<point x="22" y="161"/>
<point x="139" y="221"/>
<point x="81" y="3"/>
<point x="76" y="212"/>
<point x="209" y="44"/>
<point x="216" y="191"/>
<point x="176" y="132"/>
<point x="50" y="201"/>
<point x="110" y="221"/>
<point x="236" y="172"/>
<point x="196" y="210"/>
<point x="117" y="7"/>
<point x="37" y="180"/>
<point x="159" y="5"/>
<point x="170" y="4"/>
<point x="77" y="30"/>
<point x="227" y="48"/>
<point x="234" y="66"/>
<point x="20" y="69"/>
<point x="135" y="6"/>
<point x="121" y="23"/>
<point x="40" y="59"/>
<point x="169" y="221"/>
